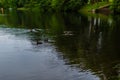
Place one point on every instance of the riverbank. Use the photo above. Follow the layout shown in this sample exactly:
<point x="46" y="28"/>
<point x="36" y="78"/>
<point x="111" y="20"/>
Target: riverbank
<point x="93" y="8"/>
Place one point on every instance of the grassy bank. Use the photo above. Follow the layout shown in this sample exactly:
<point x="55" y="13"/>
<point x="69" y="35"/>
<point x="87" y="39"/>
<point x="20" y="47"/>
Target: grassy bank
<point x="92" y="7"/>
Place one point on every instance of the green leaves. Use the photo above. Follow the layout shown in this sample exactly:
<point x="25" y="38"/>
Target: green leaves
<point x="45" y="5"/>
<point x="73" y="5"/>
<point x="116" y="6"/>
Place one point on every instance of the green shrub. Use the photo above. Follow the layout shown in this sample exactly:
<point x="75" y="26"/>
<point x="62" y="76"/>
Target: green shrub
<point x="72" y="5"/>
<point x="46" y="5"/>
<point x="116" y="6"/>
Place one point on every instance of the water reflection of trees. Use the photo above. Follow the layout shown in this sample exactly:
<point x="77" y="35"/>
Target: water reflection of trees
<point x="93" y="46"/>
<point x="84" y="42"/>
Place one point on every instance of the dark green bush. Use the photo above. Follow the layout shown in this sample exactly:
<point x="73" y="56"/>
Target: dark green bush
<point x="72" y="5"/>
<point x="46" y="5"/>
<point x="116" y="6"/>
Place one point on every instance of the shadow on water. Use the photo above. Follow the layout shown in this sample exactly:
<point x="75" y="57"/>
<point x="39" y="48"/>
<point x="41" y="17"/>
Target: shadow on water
<point x="86" y="43"/>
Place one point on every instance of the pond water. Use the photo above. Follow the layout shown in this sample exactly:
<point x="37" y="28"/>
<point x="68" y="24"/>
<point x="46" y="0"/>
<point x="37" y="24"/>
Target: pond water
<point x="35" y="46"/>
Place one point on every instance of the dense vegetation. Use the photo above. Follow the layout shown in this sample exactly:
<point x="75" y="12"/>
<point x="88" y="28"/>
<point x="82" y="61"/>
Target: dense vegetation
<point x="55" y="5"/>
<point x="46" y="5"/>
<point x="116" y="6"/>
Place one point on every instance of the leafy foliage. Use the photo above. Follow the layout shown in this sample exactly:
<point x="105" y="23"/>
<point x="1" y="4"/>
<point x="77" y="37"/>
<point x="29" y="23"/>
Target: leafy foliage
<point x="55" y="5"/>
<point x="46" y="5"/>
<point x="116" y="6"/>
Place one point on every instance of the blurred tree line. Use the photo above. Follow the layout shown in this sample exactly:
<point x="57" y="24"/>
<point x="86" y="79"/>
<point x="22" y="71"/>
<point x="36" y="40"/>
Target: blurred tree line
<point x="54" y="5"/>
<point x="46" y="5"/>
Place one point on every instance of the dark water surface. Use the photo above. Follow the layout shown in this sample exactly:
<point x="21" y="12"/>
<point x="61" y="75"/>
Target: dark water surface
<point x="36" y="46"/>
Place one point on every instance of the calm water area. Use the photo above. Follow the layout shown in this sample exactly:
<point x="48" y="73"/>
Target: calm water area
<point x="64" y="46"/>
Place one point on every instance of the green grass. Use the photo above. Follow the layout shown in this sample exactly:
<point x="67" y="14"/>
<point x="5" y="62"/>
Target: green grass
<point x="91" y="7"/>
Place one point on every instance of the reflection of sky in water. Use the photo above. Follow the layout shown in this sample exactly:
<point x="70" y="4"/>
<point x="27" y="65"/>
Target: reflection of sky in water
<point x="63" y="46"/>
<point x="20" y="60"/>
